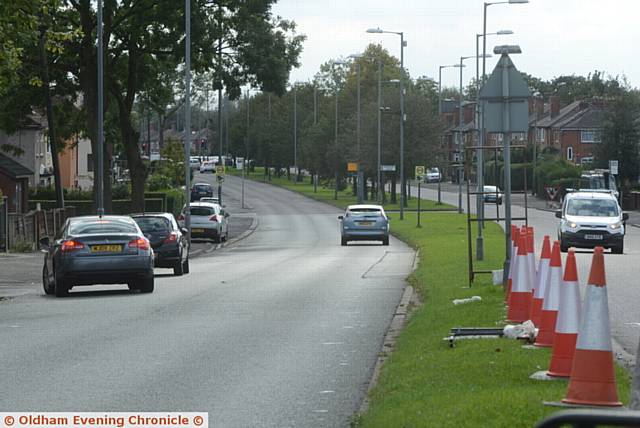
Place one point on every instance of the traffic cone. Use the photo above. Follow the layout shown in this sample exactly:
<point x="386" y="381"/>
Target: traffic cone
<point x="541" y="283"/>
<point x="531" y="258"/>
<point x="520" y="297"/>
<point x="593" y="380"/>
<point x="551" y="302"/>
<point x="566" y="334"/>
<point x="515" y="233"/>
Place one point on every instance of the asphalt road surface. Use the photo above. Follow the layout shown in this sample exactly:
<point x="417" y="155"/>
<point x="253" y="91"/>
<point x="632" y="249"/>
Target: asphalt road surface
<point x="621" y="270"/>
<point x="280" y="329"/>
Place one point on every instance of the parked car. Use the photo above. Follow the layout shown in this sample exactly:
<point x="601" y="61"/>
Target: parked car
<point x="207" y="166"/>
<point x="207" y="221"/>
<point x="494" y="196"/>
<point x="211" y="199"/>
<point x="590" y="219"/>
<point x="97" y="250"/>
<point x="168" y="240"/>
<point x="433" y="175"/>
<point x="194" y="162"/>
<point x="364" y="223"/>
<point x="199" y="190"/>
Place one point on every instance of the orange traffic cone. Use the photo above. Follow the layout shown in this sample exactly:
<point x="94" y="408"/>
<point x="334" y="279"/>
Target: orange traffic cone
<point x="593" y="381"/>
<point x="520" y="297"/>
<point x="515" y="233"/>
<point x="531" y="258"/>
<point x="541" y="283"/>
<point x="566" y="334"/>
<point x="551" y="302"/>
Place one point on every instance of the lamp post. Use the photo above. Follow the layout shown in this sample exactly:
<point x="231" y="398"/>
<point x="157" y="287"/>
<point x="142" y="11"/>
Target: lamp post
<point x="333" y="64"/>
<point x="295" y="134"/>
<point x="187" y="118"/>
<point x="480" y="151"/>
<point x="100" y="172"/>
<point x="359" y="172"/>
<point x="403" y="43"/>
<point x="440" y="114"/>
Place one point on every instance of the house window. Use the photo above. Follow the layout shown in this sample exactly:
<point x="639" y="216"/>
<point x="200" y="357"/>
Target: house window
<point x="570" y="153"/>
<point x="586" y="160"/>
<point x="539" y="135"/>
<point x="589" y="136"/>
<point x="90" y="162"/>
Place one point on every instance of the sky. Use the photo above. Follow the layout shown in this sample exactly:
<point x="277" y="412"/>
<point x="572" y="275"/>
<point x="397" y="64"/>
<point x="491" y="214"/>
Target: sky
<point x="557" y="37"/>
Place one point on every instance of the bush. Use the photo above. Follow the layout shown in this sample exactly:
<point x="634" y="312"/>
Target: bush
<point x="158" y="182"/>
<point x="120" y="191"/>
<point x="554" y="171"/>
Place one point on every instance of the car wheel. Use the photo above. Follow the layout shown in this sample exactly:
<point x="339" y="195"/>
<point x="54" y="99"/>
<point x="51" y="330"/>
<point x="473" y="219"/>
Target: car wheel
<point x="178" y="268"/>
<point x="146" y="285"/>
<point x="385" y="240"/>
<point x="61" y="289"/>
<point x="563" y="245"/>
<point x="132" y="286"/>
<point x="185" y="266"/>
<point x="618" y="249"/>
<point x="46" y="284"/>
<point x="343" y="241"/>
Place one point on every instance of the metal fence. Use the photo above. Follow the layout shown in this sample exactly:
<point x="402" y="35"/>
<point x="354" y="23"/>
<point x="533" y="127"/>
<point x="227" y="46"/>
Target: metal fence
<point x="4" y="224"/>
<point x="27" y="229"/>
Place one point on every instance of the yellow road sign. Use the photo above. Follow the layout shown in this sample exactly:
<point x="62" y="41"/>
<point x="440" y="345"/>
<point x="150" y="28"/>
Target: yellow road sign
<point x="352" y="167"/>
<point x="220" y="169"/>
<point x="420" y="170"/>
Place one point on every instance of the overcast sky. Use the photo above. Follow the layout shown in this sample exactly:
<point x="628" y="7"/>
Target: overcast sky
<point x="557" y="37"/>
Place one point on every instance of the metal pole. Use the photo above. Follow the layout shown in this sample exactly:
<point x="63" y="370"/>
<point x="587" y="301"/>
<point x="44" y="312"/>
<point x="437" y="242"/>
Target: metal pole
<point x="441" y="136"/>
<point x="507" y="165"/>
<point x="220" y="162"/>
<point x="480" y="164"/>
<point x="379" y="185"/>
<point x="459" y="143"/>
<point x="315" y="105"/>
<point x="360" y="177"/>
<point x="100" y="173"/>
<point x="295" y="134"/>
<point x="335" y="193"/>
<point x="419" y="203"/>
<point x="187" y="119"/>
<point x="402" y="181"/>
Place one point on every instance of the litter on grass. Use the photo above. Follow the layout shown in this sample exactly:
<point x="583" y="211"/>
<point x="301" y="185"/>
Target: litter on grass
<point x="497" y="276"/>
<point x="519" y="331"/>
<point x="468" y="300"/>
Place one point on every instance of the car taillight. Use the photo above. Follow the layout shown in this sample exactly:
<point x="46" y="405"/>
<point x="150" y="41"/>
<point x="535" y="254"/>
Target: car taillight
<point x="140" y="243"/>
<point x="173" y="237"/>
<point x="71" y="245"/>
<point x="213" y="218"/>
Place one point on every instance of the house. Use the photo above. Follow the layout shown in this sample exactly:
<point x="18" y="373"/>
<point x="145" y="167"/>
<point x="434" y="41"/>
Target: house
<point x="30" y="148"/>
<point x="76" y="165"/>
<point x="14" y="183"/>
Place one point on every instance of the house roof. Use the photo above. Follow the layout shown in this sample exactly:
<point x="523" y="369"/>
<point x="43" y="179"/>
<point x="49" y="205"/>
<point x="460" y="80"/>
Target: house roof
<point x="12" y="168"/>
<point x="549" y="121"/>
<point x="591" y="117"/>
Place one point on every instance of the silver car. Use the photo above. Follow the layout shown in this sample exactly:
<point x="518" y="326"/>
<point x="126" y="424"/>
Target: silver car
<point x="97" y="250"/>
<point x="364" y="223"/>
<point x="208" y="220"/>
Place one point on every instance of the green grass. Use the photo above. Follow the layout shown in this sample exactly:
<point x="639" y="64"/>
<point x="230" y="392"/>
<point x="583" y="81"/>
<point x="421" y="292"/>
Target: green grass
<point x="345" y="198"/>
<point x="479" y="383"/>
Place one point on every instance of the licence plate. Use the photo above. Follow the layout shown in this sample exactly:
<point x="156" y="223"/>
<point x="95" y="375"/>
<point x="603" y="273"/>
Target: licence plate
<point x="106" y="248"/>
<point x="594" y="237"/>
<point x="197" y="230"/>
<point x="365" y="223"/>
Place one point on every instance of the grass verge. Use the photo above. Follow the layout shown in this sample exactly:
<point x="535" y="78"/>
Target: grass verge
<point x="479" y="383"/>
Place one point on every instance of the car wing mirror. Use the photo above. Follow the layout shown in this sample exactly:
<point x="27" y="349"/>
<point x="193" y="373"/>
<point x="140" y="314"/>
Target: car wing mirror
<point x="227" y="215"/>
<point x="44" y="243"/>
<point x="340" y="217"/>
<point x="559" y="214"/>
<point x="184" y="230"/>
<point x="625" y="216"/>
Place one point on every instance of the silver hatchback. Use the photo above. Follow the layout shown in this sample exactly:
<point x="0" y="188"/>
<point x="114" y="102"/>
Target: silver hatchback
<point x="364" y="223"/>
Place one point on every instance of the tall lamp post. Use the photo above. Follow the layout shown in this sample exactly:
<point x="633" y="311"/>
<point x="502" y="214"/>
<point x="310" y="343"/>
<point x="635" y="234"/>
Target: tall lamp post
<point x="403" y="43"/>
<point x="359" y="172"/>
<point x="333" y="64"/>
<point x="480" y="151"/>
<point x="187" y="118"/>
<point x="440" y="113"/>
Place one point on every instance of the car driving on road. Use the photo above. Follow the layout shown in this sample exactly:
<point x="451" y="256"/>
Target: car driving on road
<point x="590" y="219"/>
<point x="364" y="223"/>
<point x="97" y="250"/>
<point x="207" y="220"/>
<point x="200" y="190"/>
<point x="207" y="166"/>
<point x="492" y="195"/>
<point x="433" y="175"/>
<point x="168" y="240"/>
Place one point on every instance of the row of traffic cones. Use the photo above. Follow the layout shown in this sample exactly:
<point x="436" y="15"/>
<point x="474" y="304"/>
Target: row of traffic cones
<point x="581" y="345"/>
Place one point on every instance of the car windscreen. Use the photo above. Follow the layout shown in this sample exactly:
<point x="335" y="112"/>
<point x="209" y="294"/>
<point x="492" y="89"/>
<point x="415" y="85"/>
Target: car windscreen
<point x="202" y="211"/>
<point x="364" y="212"/>
<point x="202" y="188"/>
<point x="102" y="226"/>
<point x="153" y="224"/>
<point x="592" y="207"/>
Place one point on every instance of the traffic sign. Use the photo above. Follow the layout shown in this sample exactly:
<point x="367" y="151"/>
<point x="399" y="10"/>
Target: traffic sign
<point x="220" y="170"/>
<point x="419" y="171"/>
<point x="613" y="167"/>
<point x="352" y="167"/>
<point x="388" y="168"/>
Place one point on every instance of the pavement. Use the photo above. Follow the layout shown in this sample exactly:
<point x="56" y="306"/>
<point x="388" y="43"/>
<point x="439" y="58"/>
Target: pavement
<point x="280" y="329"/>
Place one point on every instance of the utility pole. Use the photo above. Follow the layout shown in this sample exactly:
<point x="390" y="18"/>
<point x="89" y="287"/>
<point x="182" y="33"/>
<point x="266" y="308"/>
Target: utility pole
<point x="379" y="165"/>
<point x="187" y="119"/>
<point x="99" y="176"/>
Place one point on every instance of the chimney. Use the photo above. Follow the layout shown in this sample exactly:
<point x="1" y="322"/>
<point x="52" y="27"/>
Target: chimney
<point x="554" y="101"/>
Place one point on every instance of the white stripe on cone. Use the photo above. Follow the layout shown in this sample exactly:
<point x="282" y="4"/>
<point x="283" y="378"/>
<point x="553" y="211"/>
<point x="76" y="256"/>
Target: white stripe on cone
<point x="521" y="282"/>
<point x="594" y="330"/>
<point x="552" y="292"/>
<point x="543" y="279"/>
<point x="531" y="262"/>
<point x="569" y="312"/>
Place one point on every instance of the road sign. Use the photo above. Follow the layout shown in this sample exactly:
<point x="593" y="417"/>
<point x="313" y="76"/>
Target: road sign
<point x="419" y="172"/>
<point x="352" y="167"/>
<point x="388" y="168"/>
<point x="220" y="170"/>
<point x="510" y="89"/>
<point x="613" y="167"/>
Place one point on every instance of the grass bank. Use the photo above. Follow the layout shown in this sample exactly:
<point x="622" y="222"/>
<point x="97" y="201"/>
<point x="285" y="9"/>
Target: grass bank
<point x="479" y="383"/>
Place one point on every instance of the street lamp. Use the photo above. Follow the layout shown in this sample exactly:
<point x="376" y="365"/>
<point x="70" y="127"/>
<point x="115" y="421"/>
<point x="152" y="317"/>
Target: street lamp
<point x="459" y="144"/>
<point x="480" y="151"/>
<point x="440" y="113"/>
<point x="333" y="64"/>
<point x="187" y="139"/>
<point x="359" y="172"/>
<point x="402" y="118"/>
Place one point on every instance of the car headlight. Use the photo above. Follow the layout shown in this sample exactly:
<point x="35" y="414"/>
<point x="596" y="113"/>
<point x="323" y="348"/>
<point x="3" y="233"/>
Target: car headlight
<point x="572" y="225"/>
<point x="345" y="227"/>
<point x="616" y="226"/>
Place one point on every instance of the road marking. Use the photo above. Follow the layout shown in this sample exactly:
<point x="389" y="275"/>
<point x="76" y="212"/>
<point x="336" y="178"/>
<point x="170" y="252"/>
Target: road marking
<point x="333" y="343"/>
<point x="321" y="411"/>
<point x="347" y="326"/>
<point x="328" y="391"/>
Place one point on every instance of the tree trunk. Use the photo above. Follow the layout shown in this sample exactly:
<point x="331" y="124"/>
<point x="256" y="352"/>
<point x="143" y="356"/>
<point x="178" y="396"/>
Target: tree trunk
<point x="394" y="198"/>
<point x="53" y="142"/>
<point x="137" y="169"/>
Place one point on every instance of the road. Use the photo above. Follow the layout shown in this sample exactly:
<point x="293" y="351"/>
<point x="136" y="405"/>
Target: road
<point x="622" y="282"/>
<point x="280" y="329"/>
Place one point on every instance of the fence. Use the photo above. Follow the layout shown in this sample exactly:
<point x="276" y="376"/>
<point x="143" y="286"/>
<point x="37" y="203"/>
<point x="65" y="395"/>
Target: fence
<point x="4" y="224"/>
<point x="27" y="229"/>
